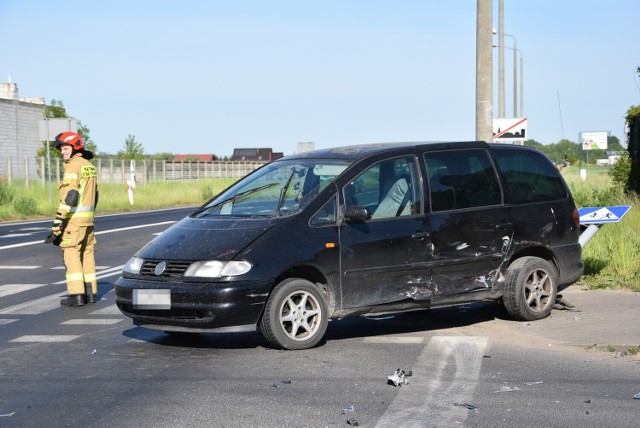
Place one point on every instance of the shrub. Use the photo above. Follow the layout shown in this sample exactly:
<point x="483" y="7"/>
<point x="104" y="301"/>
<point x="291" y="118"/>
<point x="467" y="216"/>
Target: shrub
<point x="620" y="172"/>
<point x="25" y="206"/>
<point x="6" y="193"/>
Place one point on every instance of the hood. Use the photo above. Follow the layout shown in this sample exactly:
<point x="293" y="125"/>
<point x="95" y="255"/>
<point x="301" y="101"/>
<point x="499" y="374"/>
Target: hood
<point x="206" y="239"/>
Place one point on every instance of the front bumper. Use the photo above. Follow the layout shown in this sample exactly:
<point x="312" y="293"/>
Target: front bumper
<point x="197" y="306"/>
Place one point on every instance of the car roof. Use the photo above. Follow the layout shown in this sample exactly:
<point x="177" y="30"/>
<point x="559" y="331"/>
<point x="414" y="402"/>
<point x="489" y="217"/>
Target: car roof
<point x="360" y="151"/>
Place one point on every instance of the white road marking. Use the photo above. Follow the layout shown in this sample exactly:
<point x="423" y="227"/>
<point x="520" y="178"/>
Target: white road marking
<point x="91" y="321"/>
<point x="394" y="339"/>
<point x="24" y="244"/>
<point x="8" y="289"/>
<point x="18" y="267"/>
<point x="46" y="338"/>
<point x="445" y="373"/>
<point x="34" y="307"/>
<point x="109" y="310"/>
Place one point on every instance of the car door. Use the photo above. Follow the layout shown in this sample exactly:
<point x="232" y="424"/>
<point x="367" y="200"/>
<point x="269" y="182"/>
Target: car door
<point x="470" y="228"/>
<point x="384" y="255"/>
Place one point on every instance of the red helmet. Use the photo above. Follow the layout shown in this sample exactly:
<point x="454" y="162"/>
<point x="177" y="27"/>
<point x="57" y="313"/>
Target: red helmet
<point x="70" y="138"/>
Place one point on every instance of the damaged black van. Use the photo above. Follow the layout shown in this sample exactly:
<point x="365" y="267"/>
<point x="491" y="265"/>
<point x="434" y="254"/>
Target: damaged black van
<point x="358" y="230"/>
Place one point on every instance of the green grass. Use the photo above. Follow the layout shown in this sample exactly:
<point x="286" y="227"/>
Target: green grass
<point x="113" y="197"/>
<point x="612" y="257"/>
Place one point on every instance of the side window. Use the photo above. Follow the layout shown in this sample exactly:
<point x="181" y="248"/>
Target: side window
<point x="387" y="189"/>
<point x="325" y="215"/>
<point x="530" y="177"/>
<point x="461" y="179"/>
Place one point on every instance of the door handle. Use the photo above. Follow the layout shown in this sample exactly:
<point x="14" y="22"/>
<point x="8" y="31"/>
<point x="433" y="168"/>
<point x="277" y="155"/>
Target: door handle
<point x="504" y="225"/>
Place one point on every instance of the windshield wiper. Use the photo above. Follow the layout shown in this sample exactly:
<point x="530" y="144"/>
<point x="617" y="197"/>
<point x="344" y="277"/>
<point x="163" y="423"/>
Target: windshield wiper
<point x="234" y="197"/>
<point x="283" y="191"/>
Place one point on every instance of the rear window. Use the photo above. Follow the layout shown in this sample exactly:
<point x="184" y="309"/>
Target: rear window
<point x="461" y="179"/>
<point x="530" y="176"/>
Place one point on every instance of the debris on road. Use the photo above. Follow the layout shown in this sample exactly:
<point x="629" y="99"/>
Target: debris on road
<point x="349" y="408"/>
<point x="468" y="406"/>
<point x="353" y="422"/>
<point x="7" y="415"/>
<point x="537" y="382"/>
<point x="508" y="389"/>
<point x="637" y="396"/>
<point x="399" y="377"/>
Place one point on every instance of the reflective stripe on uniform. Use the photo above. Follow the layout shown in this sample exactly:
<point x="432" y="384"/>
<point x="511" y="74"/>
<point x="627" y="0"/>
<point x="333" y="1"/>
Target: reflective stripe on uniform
<point x="81" y="214"/>
<point x="89" y="277"/>
<point x="70" y="176"/>
<point x="75" y="277"/>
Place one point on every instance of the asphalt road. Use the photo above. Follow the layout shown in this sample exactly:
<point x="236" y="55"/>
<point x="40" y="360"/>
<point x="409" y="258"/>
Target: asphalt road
<point x="90" y="367"/>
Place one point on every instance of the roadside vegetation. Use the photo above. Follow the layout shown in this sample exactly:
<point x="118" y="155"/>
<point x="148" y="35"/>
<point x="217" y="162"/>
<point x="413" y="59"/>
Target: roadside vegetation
<point x="612" y="257"/>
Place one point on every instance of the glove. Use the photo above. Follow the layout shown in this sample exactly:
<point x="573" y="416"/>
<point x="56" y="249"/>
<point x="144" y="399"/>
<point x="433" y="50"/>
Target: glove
<point x="58" y="226"/>
<point x="53" y="239"/>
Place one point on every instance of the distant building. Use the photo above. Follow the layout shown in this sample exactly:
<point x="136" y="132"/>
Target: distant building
<point x="265" y="155"/>
<point x="201" y="157"/>
<point x="19" y="132"/>
<point x="306" y="146"/>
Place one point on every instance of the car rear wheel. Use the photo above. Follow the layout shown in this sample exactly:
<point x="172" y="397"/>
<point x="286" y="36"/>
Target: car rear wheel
<point x="531" y="288"/>
<point x="295" y="316"/>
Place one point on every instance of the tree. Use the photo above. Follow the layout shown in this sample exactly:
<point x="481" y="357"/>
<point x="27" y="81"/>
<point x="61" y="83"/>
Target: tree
<point x="133" y="150"/>
<point x="161" y="156"/>
<point x="56" y="110"/>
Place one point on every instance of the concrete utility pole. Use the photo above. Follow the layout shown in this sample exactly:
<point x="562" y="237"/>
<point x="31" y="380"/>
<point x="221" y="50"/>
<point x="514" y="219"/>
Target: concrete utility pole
<point x="501" y="58"/>
<point x="484" y="70"/>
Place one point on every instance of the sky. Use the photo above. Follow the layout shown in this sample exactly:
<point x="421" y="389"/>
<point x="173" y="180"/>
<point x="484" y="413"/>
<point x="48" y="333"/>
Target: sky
<point x="210" y="76"/>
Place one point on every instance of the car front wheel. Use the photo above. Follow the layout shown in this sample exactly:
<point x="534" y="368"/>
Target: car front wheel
<point x="295" y="316"/>
<point x="531" y="288"/>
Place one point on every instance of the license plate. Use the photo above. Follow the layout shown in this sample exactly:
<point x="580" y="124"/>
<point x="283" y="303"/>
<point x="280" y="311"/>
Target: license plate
<point x="151" y="299"/>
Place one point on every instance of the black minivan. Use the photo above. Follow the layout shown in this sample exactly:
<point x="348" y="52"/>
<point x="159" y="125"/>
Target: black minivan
<point x="356" y="230"/>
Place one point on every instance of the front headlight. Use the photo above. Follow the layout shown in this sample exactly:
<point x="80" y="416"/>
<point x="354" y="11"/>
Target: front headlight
<point x="216" y="269"/>
<point x="133" y="265"/>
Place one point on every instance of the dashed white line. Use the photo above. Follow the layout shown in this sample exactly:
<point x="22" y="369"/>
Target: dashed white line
<point x="60" y="338"/>
<point x="7" y="267"/>
<point x="8" y="289"/>
<point x="91" y="321"/>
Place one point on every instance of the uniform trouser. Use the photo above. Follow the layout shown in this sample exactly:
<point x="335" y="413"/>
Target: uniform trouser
<point x="77" y="246"/>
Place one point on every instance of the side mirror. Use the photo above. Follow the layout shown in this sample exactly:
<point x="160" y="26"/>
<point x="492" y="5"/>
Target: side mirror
<point x="357" y="213"/>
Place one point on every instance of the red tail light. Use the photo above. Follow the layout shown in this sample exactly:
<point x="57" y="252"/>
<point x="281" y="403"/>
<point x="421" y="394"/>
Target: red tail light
<point x="576" y="218"/>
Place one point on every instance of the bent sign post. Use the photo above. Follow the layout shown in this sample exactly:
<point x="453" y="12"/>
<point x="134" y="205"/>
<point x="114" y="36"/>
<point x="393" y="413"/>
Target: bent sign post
<point x="595" y="217"/>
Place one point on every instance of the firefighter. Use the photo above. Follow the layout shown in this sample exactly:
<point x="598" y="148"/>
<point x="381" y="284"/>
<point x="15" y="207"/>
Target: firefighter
<point x="73" y="225"/>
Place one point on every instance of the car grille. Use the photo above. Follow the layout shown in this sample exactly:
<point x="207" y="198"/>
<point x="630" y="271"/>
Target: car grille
<point x="174" y="268"/>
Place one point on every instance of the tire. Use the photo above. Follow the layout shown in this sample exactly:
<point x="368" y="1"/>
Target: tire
<point x="531" y="288"/>
<point x="295" y="316"/>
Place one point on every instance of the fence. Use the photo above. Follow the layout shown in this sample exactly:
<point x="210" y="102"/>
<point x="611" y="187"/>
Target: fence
<point x="119" y="171"/>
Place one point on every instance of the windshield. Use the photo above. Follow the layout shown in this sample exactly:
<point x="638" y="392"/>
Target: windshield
<point x="279" y="189"/>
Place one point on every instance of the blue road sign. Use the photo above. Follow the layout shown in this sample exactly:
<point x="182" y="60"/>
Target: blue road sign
<point x="600" y="215"/>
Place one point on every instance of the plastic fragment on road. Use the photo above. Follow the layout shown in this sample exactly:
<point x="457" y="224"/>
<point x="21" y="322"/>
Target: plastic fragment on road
<point x="637" y="396"/>
<point x="468" y="406"/>
<point x="349" y="408"/>
<point x="537" y="382"/>
<point x="276" y="385"/>
<point x="94" y="352"/>
<point x="399" y="377"/>
<point x="353" y="422"/>
<point x="508" y="389"/>
<point x="7" y="415"/>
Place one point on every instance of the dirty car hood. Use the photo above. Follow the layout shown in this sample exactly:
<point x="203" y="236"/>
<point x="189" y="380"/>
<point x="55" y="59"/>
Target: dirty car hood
<point x="205" y="239"/>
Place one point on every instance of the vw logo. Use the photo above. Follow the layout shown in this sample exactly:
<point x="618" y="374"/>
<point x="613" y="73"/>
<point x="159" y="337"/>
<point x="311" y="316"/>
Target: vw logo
<point x="160" y="268"/>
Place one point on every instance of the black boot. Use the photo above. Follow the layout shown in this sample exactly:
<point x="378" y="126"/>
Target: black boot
<point x="73" y="300"/>
<point x="89" y="297"/>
